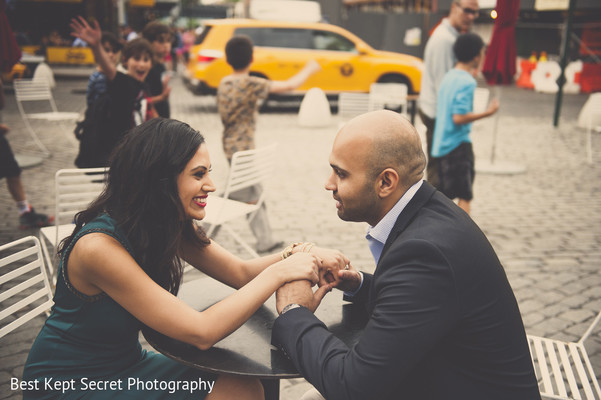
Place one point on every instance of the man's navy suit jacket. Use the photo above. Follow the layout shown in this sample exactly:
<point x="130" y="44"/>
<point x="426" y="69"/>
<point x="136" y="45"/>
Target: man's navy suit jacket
<point x="443" y="319"/>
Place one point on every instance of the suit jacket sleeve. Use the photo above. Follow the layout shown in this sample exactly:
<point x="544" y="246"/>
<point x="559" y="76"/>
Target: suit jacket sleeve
<point x="414" y="305"/>
<point x="363" y="294"/>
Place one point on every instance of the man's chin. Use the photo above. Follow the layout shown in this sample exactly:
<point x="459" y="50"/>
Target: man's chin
<point x="346" y="217"/>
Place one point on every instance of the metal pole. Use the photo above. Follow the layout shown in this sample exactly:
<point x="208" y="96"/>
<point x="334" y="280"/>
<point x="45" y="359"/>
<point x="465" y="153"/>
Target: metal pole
<point x="564" y="58"/>
<point x="493" y="150"/>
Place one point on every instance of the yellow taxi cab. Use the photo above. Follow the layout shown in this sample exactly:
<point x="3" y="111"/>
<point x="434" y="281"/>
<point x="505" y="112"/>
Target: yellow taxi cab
<point x="283" y="48"/>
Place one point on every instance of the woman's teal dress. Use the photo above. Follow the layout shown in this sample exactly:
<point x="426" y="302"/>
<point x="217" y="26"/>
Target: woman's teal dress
<point x="92" y="338"/>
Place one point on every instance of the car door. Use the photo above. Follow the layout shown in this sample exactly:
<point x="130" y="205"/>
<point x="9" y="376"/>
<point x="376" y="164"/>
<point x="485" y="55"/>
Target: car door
<point x="279" y="52"/>
<point x="344" y="68"/>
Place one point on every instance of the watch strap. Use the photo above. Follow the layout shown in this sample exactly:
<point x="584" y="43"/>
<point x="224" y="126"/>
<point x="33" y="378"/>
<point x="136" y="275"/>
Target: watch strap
<point x="289" y="307"/>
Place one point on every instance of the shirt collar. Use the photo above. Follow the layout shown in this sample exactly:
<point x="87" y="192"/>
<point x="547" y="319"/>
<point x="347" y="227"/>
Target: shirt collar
<point x="382" y="230"/>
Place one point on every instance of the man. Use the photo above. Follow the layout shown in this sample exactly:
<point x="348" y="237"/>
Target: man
<point x="443" y="320"/>
<point x="438" y="60"/>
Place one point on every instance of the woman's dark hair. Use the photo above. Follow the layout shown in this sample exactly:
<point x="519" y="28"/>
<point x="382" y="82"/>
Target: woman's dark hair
<point x="142" y="196"/>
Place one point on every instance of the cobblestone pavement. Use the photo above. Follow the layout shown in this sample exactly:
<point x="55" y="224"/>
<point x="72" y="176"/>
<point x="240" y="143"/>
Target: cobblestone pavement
<point x="545" y="224"/>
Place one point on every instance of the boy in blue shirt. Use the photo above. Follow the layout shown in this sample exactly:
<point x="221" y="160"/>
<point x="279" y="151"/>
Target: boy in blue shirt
<point x="454" y="116"/>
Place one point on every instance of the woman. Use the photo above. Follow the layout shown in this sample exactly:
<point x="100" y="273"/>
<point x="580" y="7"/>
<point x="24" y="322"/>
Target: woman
<point x="121" y="269"/>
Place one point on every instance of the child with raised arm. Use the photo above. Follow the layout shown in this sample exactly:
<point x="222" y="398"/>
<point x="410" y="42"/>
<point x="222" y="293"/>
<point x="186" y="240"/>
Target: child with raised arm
<point x="454" y="114"/>
<point x="128" y="105"/>
<point x="97" y="84"/>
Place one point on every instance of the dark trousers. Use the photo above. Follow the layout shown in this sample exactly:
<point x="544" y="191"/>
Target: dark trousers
<point x="432" y="168"/>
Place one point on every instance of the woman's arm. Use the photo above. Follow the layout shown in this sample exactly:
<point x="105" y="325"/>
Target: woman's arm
<point x="98" y="263"/>
<point x="93" y="35"/>
<point x="222" y="265"/>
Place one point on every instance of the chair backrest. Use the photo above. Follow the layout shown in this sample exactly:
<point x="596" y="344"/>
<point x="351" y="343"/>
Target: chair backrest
<point x="388" y="95"/>
<point x="351" y="104"/>
<point x="250" y="167"/>
<point x="25" y="291"/>
<point x="33" y="90"/>
<point x="75" y="189"/>
<point x="563" y="369"/>
<point x="43" y="71"/>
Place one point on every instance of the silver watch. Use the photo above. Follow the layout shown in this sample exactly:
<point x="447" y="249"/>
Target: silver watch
<point x="289" y="307"/>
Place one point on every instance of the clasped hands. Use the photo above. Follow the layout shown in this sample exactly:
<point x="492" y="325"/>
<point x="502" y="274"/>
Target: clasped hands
<point x="335" y="271"/>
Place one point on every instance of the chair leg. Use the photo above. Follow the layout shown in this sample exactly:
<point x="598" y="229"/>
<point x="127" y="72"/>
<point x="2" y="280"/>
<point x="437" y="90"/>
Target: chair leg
<point x="241" y="242"/>
<point x="589" y="144"/>
<point x="590" y="328"/>
<point x="35" y="138"/>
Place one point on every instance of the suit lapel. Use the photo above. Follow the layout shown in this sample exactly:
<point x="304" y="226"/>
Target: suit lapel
<point x="424" y="194"/>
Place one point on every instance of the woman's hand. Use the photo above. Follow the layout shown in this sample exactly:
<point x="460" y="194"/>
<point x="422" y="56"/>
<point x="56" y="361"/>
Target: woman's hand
<point x="298" y="266"/>
<point x="332" y="262"/>
<point x="81" y="29"/>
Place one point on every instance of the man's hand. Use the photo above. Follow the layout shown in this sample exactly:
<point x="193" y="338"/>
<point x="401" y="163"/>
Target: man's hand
<point x="348" y="280"/>
<point x="300" y="292"/>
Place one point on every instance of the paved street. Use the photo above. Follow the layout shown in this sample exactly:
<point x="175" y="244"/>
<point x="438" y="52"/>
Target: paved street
<point x="545" y="224"/>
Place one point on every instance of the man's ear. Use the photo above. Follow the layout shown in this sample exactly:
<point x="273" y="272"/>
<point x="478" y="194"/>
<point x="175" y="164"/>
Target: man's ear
<point x="387" y="182"/>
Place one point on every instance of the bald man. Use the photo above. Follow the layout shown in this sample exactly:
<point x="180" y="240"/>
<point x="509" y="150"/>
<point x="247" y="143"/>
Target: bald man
<point x="443" y="320"/>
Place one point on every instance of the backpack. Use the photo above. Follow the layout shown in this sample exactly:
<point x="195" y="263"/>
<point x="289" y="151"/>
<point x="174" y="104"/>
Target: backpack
<point x="94" y="134"/>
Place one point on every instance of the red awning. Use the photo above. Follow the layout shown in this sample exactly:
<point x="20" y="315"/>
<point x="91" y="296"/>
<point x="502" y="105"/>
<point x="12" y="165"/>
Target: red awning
<point x="499" y="63"/>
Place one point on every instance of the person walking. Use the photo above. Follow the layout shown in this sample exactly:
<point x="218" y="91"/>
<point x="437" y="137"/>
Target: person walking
<point x="452" y="145"/>
<point x="438" y="60"/>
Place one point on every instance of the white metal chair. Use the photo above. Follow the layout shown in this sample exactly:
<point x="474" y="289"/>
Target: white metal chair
<point x="391" y="96"/>
<point x="352" y="104"/>
<point x="27" y="90"/>
<point x="248" y="168"/>
<point x="563" y="369"/>
<point x="25" y="291"/>
<point x="74" y="190"/>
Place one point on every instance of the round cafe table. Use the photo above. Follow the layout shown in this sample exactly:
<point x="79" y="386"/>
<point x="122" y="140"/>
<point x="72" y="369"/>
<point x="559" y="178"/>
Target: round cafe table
<point x="248" y="351"/>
